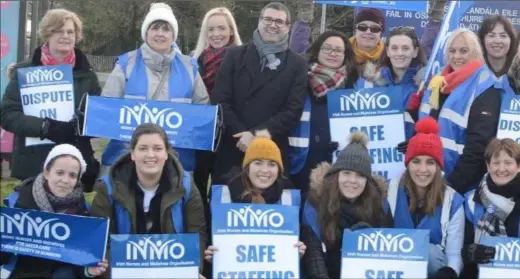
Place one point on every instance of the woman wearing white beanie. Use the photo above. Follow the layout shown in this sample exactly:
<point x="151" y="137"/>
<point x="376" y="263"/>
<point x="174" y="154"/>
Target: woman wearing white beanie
<point x="155" y="71"/>
<point x="57" y="190"/>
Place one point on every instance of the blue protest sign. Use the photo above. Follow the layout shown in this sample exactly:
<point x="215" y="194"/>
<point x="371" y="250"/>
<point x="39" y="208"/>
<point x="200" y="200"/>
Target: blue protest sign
<point x="72" y="239"/>
<point x="385" y="253"/>
<point x="155" y="255"/>
<point x="467" y="14"/>
<point x="509" y="123"/>
<point x="188" y="126"/>
<point x="417" y="6"/>
<point x="506" y="263"/>
<point x="47" y="91"/>
<point x="255" y="241"/>
<point x="379" y="113"/>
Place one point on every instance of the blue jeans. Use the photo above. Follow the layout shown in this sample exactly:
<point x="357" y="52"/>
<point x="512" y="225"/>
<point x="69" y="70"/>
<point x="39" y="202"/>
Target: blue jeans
<point x="436" y="259"/>
<point x="65" y="272"/>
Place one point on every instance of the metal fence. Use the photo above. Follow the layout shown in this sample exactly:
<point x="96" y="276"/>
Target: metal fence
<point x="101" y="64"/>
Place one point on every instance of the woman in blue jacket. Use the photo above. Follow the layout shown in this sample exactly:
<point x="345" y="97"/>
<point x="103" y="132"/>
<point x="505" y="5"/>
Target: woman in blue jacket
<point x="421" y="199"/>
<point x="331" y="66"/>
<point x="493" y="209"/>
<point x="402" y="64"/>
<point x="343" y="196"/>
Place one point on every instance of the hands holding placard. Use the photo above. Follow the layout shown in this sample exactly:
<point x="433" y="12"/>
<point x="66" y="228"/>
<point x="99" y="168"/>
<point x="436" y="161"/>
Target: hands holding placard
<point x="94" y="271"/>
<point x="210" y="251"/>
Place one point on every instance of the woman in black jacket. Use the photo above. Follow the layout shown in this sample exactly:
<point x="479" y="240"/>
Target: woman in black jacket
<point x="59" y="30"/>
<point x="332" y="66"/>
<point x="56" y="190"/>
<point x="482" y="127"/>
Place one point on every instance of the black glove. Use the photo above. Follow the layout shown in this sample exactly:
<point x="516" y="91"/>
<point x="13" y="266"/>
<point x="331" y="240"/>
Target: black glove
<point x="401" y="147"/>
<point x="360" y="225"/>
<point x="445" y="272"/>
<point x="333" y="146"/>
<point x="90" y="176"/>
<point x="478" y="253"/>
<point x="58" y="131"/>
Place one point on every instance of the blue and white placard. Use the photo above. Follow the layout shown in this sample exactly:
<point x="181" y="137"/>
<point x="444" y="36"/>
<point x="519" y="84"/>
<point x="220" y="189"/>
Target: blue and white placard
<point x="507" y="258"/>
<point x="416" y="6"/>
<point x="188" y="126"/>
<point x="509" y="123"/>
<point x="385" y="253"/>
<point x="47" y="91"/>
<point x="378" y="112"/>
<point x="66" y="238"/>
<point x="155" y="256"/>
<point x="255" y="241"/>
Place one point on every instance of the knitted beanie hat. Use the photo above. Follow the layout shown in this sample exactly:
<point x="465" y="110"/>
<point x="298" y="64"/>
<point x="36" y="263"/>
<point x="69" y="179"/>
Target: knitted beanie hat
<point x="371" y="14"/>
<point x="262" y="147"/>
<point x="160" y="11"/>
<point x="354" y="156"/>
<point x="425" y="142"/>
<point x="66" y="149"/>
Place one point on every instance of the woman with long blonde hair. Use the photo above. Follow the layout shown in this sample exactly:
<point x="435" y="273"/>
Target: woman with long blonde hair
<point x="218" y="31"/>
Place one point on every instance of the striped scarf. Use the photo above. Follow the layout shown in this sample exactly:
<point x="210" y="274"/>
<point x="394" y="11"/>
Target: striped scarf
<point x="323" y="79"/>
<point x="210" y="60"/>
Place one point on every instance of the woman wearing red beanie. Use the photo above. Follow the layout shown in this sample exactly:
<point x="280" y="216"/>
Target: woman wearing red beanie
<point x="421" y="199"/>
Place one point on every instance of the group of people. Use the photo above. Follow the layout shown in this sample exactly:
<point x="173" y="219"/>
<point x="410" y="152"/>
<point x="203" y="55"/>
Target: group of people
<point x="276" y="146"/>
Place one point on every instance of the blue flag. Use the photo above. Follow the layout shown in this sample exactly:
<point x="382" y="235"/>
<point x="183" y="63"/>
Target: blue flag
<point x="66" y="238"/>
<point x="188" y="126"/>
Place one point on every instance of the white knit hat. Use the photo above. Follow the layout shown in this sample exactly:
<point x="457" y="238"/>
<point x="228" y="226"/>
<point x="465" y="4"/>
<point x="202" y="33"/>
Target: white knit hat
<point x="160" y="11"/>
<point x="66" y="149"/>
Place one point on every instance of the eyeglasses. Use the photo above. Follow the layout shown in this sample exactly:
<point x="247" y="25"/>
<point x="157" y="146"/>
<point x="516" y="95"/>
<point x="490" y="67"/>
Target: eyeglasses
<point x="278" y="22"/>
<point x="68" y="33"/>
<point x="364" y="27"/>
<point x="329" y="50"/>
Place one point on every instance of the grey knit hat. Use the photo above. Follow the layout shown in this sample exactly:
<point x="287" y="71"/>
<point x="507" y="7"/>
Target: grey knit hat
<point x="354" y="156"/>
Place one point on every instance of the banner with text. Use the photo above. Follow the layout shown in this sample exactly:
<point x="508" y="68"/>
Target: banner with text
<point x="188" y="126"/>
<point x="417" y="6"/>
<point x="385" y="253"/>
<point x="255" y="241"/>
<point x="155" y="256"/>
<point x="507" y="258"/>
<point x="66" y="238"/>
<point x="509" y="123"/>
<point x="467" y="14"/>
<point x="47" y="91"/>
<point x="379" y="113"/>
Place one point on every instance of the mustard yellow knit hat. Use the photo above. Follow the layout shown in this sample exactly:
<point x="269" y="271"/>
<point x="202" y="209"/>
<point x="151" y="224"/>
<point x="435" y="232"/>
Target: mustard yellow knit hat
<point x="262" y="147"/>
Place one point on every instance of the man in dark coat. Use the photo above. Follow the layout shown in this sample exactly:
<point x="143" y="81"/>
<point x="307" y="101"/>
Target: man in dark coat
<point x="260" y="85"/>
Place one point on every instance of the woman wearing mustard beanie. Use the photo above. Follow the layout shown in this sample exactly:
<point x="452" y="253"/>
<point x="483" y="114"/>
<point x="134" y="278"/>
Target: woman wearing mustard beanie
<point x="259" y="181"/>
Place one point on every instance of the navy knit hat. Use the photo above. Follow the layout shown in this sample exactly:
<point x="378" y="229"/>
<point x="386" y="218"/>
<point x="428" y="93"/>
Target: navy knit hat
<point x="370" y="14"/>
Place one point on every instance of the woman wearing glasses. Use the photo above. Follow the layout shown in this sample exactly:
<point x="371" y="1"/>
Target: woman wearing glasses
<point x="366" y="42"/>
<point x="59" y="30"/>
<point x="401" y="64"/>
<point x="331" y="66"/>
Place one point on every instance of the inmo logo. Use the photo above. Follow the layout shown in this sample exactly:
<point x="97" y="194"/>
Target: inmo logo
<point x="515" y="104"/>
<point x="39" y="75"/>
<point x="148" y="250"/>
<point x="508" y="252"/>
<point x="251" y="218"/>
<point x="358" y="101"/>
<point x="385" y="243"/>
<point x="142" y="114"/>
<point x="37" y="227"/>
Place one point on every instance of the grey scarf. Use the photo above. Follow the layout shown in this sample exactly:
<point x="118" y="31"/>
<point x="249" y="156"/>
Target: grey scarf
<point x="50" y="203"/>
<point x="497" y="208"/>
<point x="267" y="51"/>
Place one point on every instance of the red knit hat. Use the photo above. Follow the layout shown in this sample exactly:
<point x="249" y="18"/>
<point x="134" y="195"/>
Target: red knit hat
<point x="425" y="142"/>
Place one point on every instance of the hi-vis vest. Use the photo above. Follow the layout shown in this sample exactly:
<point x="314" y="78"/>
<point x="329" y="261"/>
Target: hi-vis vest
<point x="299" y="140"/>
<point x="123" y="222"/>
<point x="180" y="90"/>
<point x="409" y="88"/>
<point x="220" y="194"/>
<point x="475" y="211"/>
<point x="437" y="224"/>
<point x="7" y="269"/>
<point x="509" y="121"/>
<point x="453" y="116"/>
